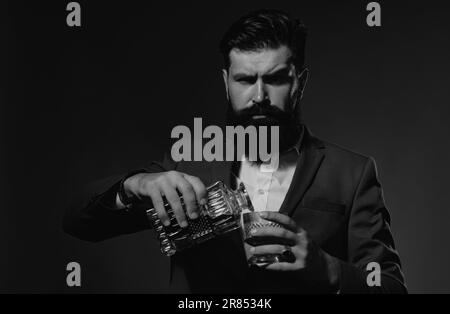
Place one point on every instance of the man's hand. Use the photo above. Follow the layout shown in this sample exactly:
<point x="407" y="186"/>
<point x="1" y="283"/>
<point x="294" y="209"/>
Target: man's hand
<point x="310" y="261"/>
<point x="153" y="186"/>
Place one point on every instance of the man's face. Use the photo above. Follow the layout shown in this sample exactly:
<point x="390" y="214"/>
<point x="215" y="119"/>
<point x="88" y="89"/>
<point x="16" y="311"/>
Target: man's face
<point x="263" y="88"/>
<point x="262" y="77"/>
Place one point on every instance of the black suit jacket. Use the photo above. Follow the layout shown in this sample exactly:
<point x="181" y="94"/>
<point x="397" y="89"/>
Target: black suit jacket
<point x="335" y="196"/>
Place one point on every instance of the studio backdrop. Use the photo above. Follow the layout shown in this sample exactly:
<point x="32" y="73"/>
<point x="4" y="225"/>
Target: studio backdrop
<point x="82" y="103"/>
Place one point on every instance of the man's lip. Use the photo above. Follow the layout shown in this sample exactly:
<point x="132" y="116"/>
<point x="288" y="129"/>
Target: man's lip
<point x="260" y="116"/>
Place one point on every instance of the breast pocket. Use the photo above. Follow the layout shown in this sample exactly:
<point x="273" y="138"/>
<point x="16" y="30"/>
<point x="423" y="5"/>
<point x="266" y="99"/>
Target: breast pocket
<point x="324" y="205"/>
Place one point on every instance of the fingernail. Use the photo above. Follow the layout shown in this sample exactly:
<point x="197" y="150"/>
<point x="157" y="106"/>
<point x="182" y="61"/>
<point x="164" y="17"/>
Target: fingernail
<point x="183" y="224"/>
<point x="166" y="222"/>
<point x="263" y="214"/>
<point x="253" y="231"/>
<point x="194" y="215"/>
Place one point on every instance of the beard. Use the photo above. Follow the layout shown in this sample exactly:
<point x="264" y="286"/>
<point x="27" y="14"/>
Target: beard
<point x="289" y="124"/>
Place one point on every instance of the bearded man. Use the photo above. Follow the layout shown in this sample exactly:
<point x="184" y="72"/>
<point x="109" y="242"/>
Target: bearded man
<point x="327" y="199"/>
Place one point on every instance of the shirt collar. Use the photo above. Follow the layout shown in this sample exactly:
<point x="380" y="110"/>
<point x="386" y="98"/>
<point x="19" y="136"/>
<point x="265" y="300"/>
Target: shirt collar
<point x="286" y="158"/>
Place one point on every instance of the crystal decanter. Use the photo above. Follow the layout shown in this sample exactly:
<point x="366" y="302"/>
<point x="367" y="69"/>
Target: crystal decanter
<point x="220" y="215"/>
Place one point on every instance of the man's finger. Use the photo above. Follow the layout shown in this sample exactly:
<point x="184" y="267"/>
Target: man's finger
<point x="268" y="249"/>
<point x="286" y="221"/>
<point x="199" y="188"/>
<point x="273" y="233"/>
<point x="174" y="200"/>
<point x="189" y="197"/>
<point x="158" y="204"/>
<point x="280" y="266"/>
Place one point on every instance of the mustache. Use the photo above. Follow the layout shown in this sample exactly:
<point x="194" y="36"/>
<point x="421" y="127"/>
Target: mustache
<point x="261" y="109"/>
<point x="290" y="126"/>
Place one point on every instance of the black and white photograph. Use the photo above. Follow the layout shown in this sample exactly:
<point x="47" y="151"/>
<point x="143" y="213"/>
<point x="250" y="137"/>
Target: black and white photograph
<point x="230" y="148"/>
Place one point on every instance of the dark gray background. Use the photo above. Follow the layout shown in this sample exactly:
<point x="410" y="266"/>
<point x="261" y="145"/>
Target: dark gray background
<point x="84" y="103"/>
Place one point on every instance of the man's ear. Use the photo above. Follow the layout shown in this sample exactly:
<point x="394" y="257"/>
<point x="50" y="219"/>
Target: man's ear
<point x="225" y="81"/>
<point x="302" y="80"/>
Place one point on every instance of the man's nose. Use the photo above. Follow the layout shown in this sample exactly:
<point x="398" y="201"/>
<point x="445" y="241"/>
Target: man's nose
<point x="260" y="92"/>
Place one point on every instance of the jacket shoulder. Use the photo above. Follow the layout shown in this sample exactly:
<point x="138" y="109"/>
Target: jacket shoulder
<point x="344" y="162"/>
<point x="333" y="150"/>
<point x="345" y="154"/>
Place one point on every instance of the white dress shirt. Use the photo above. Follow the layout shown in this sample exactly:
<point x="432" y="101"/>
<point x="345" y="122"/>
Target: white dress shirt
<point x="267" y="189"/>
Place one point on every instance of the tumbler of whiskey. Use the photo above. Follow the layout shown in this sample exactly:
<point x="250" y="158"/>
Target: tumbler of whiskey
<point x="254" y="221"/>
<point x="220" y="215"/>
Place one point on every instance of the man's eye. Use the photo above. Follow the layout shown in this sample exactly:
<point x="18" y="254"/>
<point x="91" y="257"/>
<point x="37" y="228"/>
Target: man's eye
<point x="278" y="79"/>
<point x="246" y="80"/>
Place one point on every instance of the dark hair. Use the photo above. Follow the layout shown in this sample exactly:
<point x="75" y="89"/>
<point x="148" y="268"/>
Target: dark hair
<point x="265" y="29"/>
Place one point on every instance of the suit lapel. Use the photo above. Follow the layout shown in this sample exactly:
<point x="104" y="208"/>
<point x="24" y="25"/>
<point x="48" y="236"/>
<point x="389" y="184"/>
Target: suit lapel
<point x="311" y="157"/>
<point x="308" y="164"/>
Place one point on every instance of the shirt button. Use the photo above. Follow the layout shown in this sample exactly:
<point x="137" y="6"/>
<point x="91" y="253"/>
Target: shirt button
<point x="261" y="191"/>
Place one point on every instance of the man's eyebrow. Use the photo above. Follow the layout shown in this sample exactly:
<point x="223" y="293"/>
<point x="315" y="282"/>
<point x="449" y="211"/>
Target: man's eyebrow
<point x="282" y="71"/>
<point x="239" y="75"/>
